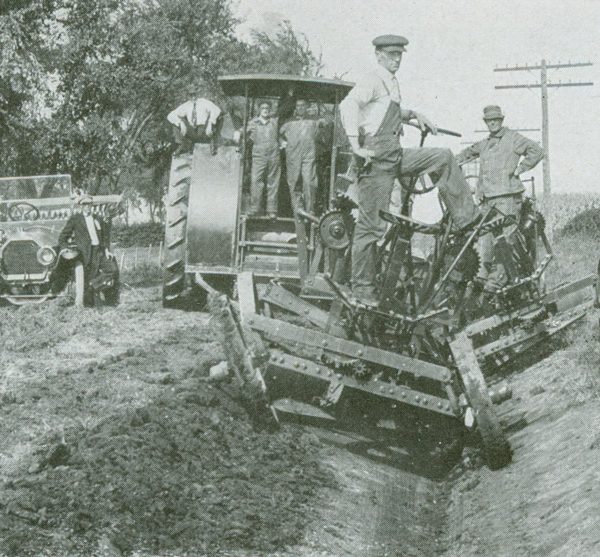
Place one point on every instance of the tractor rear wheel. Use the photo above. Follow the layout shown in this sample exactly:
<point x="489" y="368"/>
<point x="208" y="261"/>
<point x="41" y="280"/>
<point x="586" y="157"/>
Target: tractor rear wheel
<point x="496" y="449"/>
<point x="175" y="232"/>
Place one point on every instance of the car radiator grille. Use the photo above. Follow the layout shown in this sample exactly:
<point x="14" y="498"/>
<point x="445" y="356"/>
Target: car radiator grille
<point x="20" y="257"/>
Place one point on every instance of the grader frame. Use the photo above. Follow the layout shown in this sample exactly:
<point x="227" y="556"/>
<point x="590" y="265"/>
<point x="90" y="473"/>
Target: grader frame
<point x="301" y="345"/>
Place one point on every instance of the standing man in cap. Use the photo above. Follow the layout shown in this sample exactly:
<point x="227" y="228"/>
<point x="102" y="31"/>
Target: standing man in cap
<point x="372" y="118"/>
<point x="504" y="155"/>
<point x="91" y="235"/>
<point x="198" y="120"/>
<point x="263" y="132"/>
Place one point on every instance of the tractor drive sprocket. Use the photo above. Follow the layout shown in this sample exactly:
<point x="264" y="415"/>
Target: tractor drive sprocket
<point x="333" y="230"/>
<point x="468" y="266"/>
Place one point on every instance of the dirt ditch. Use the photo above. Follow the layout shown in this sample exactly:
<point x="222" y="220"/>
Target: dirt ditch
<point x="113" y="443"/>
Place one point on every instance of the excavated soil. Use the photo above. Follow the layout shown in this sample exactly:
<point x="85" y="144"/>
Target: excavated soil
<point x="113" y="443"/>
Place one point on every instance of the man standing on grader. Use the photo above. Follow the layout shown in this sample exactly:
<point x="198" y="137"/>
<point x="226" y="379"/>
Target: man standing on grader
<point x="503" y="156"/>
<point x="372" y="118"/>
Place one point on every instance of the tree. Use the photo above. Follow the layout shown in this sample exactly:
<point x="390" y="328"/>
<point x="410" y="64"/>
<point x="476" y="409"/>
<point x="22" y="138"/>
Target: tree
<point x="92" y="82"/>
<point x="22" y="28"/>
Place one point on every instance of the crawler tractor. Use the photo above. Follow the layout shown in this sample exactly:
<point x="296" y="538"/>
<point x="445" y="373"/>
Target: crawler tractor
<point x="406" y="368"/>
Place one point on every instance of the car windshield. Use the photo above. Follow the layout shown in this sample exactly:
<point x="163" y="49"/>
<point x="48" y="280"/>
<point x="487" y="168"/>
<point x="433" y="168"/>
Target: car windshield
<point x="35" y="187"/>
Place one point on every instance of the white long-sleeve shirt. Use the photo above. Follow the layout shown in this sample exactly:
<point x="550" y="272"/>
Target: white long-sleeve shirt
<point x="198" y="112"/>
<point x="365" y="106"/>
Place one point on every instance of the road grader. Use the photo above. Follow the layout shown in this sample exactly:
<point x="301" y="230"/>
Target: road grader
<point x="409" y="367"/>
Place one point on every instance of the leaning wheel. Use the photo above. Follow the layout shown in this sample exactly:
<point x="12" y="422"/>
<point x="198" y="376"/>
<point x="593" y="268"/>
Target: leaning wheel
<point x="496" y="448"/>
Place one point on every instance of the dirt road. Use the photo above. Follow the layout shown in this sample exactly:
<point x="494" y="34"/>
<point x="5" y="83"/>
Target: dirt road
<point x="112" y="443"/>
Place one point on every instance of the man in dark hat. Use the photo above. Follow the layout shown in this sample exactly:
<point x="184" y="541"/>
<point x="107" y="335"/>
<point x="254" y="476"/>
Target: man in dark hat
<point x="91" y="235"/>
<point x="372" y="118"/>
<point x="503" y="156"/>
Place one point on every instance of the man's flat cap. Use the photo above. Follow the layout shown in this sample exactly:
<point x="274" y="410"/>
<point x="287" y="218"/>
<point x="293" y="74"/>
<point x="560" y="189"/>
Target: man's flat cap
<point x="395" y="41"/>
<point x="85" y="199"/>
<point x="492" y="112"/>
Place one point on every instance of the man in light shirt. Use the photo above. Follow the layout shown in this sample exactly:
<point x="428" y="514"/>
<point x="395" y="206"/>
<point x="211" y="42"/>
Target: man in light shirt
<point x="196" y="121"/>
<point x="372" y="118"/>
<point x="91" y="235"/>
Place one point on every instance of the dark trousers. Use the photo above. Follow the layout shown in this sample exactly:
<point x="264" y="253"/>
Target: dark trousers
<point x="197" y="134"/>
<point x="491" y="271"/>
<point x="266" y="171"/>
<point x="374" y="192"/>
<point x="91" y="271"/>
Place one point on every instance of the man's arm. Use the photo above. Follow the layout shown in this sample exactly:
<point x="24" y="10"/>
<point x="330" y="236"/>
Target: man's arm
<point x="350" y="110"/>
<point x="213" y="113"/>
<point x="251" y="130"/>
<point x="531" y="152"/>
<point x="470" y="153"/>
<point x="422" y="121"/>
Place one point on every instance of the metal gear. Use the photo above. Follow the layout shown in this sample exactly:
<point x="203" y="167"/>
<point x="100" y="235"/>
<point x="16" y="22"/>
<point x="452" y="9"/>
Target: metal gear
<point x="333" y="230"/>
<point x="468" y="266"/>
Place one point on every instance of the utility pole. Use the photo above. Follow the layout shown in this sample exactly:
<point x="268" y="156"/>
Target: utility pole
<point x="543" y="67"/>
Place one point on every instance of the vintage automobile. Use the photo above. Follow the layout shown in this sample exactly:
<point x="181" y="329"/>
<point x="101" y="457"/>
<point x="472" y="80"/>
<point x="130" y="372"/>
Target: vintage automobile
<point x="410" y="365"/>
<point x="33" y="211"/>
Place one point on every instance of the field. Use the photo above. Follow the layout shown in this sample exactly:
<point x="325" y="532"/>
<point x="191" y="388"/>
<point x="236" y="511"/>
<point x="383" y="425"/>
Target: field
<point x="113" y="443"/>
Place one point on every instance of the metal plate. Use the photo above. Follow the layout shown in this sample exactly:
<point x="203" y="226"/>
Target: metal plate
<point x="212" y="209"/>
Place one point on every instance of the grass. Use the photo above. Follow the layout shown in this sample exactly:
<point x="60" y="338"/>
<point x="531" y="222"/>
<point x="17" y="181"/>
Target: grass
<point x="143" y="275"/>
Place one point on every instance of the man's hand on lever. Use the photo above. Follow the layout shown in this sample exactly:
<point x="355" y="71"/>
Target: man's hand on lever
<point x="424" y="122"/>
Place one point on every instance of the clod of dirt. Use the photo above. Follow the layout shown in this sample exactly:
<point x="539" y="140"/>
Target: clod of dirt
<point x="185" y="473"/>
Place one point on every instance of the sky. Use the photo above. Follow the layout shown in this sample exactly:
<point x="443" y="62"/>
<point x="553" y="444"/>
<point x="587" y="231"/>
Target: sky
<point x="447" y="71"/>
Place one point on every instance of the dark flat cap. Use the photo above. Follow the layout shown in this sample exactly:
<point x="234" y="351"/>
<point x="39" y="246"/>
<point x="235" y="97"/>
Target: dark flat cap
<point x="389" y="41"/>
<point x="492" y="112"/>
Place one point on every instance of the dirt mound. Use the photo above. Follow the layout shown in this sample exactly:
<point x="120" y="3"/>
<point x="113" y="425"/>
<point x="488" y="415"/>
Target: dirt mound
<point x="586" y="223"/>
<point x="133" y="451"/>
<point x="184" y="473"/>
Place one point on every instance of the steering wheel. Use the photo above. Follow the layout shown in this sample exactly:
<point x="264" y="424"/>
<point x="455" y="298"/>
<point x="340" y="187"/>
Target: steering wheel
<point x="420" y="186"/>
<point x="23" y="211"/>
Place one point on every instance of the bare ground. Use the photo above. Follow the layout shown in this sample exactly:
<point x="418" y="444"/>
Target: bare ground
<point x="547" y="502"/>
<point x="112" y="443"/>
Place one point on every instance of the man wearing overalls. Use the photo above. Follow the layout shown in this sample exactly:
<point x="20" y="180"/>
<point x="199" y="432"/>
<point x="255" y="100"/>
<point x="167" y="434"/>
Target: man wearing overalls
<point x="298" y="136"/>
<point x="503" y="156"/>
<point x="372" y="112"/>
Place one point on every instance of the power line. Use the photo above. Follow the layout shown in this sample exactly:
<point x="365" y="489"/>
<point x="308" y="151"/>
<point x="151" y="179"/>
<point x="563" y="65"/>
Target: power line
<point x="513" y="129"/>
<point x="539" y="85"/>
<point x="544" y="85"/>
<point x="527" y="67"/>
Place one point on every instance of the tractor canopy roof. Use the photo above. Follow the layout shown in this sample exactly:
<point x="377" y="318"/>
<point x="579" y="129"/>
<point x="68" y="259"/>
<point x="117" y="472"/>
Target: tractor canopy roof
<point x="318" y="89"/>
